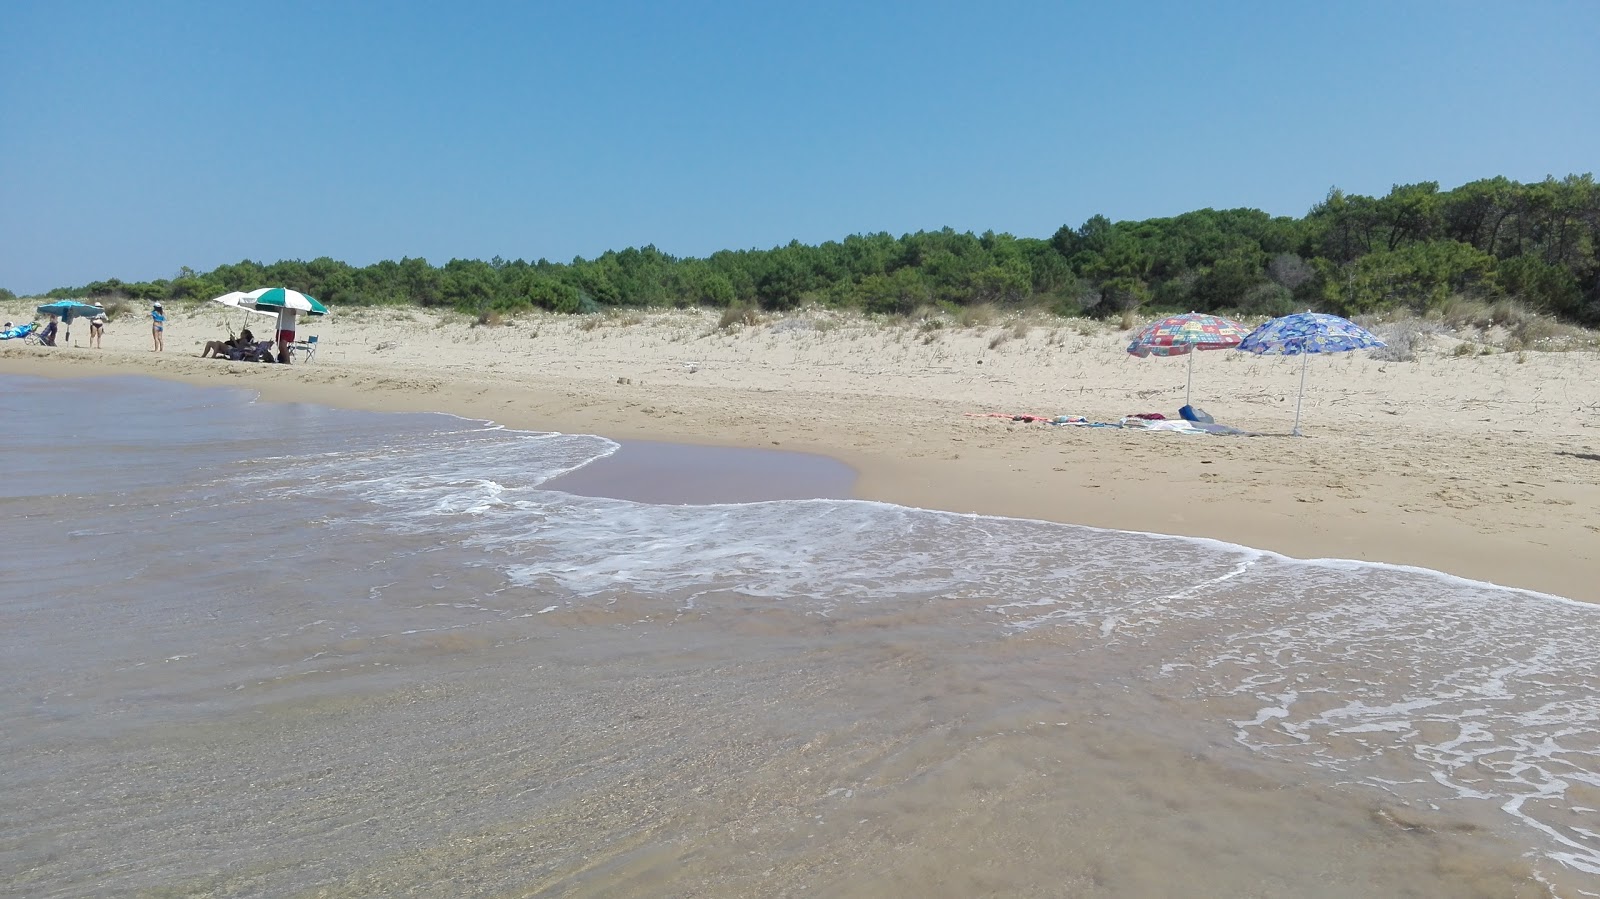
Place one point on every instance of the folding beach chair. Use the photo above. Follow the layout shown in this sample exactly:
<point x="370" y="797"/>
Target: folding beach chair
<point x="306" y="348"/>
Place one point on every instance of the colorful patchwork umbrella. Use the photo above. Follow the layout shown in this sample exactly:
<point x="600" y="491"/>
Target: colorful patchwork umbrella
<point x="1182" y="335"/>
<point x="1305" y="333"/>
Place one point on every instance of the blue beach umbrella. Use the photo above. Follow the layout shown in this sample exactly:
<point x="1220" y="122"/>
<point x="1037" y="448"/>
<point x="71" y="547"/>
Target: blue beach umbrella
<point x="1305" y="333"/>
<point x="67" y="310"/>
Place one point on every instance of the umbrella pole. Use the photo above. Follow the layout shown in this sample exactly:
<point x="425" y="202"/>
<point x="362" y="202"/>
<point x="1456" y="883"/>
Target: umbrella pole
<point x="1305" y="359"/>
<point x="1189" y="385"/>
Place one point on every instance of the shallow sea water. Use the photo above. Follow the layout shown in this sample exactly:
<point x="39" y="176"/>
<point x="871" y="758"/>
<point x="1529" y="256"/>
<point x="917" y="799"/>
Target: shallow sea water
<point x="254" y="649"/>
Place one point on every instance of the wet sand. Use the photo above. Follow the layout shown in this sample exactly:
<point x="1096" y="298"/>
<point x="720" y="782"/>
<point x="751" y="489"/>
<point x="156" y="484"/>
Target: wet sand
<point x="647" y="471"/>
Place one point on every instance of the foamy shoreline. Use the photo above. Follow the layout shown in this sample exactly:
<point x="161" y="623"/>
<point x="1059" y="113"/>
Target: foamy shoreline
<point x="1482" y="466"/>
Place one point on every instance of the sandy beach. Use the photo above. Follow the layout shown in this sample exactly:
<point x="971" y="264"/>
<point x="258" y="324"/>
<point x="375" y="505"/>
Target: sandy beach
<point x="1485" y="466"/>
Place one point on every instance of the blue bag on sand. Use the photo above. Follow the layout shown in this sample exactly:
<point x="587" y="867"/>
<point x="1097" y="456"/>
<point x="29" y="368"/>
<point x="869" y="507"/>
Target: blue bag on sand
<point x="1190" y="413"/>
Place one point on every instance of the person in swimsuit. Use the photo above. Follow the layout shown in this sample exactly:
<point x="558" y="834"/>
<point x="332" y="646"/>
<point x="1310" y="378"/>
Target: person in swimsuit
<point x="97" y="327"/>
<point x="220" y="348"/>
<point x="158" y="321"/>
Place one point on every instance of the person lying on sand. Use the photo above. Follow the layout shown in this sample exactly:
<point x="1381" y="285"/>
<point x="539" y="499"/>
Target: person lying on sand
<point x="220" y="348"/>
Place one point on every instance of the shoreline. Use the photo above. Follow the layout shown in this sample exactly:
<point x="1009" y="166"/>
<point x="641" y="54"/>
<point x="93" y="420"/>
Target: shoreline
<point x="1506" y="501"/>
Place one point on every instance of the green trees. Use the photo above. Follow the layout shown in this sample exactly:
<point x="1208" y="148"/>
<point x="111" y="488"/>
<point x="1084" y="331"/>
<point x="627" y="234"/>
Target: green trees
<point x="899" y="293"/>
<point x="1412" y="248"/>
<point x="1224" y="283"/>
<point x="192" y="285"/>
<point x="1419" y="276"/>
<point x="1545" y="287"/>
<point x="470" y="285"/>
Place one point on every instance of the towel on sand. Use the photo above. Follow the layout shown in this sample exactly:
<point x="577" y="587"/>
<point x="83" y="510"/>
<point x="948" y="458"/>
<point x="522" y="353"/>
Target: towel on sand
<point x="1151" y="424"/>
<point x="1186" y="427"/>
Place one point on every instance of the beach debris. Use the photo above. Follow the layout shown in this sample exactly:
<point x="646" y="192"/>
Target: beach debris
<point x="385" y="345"/>
<point x="792" y="324"/>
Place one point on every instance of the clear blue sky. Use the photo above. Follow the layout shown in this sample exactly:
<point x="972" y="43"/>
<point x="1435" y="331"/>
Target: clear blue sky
<point x="136" y="138"/>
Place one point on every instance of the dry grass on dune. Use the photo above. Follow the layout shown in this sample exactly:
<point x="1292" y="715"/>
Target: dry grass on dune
<point x="1465" y="327"/>
<point x="1461" y="327"/>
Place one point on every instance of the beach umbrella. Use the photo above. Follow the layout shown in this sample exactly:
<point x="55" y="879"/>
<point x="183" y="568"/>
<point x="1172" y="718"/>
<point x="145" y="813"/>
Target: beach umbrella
<point x="241" y="301"/>
<point x="287" y="304"/>
<point x="1305" y="333"/>
<point x="277" y="299"/>
<point x="1184" y="335"/>
<point x="67" y="310"/>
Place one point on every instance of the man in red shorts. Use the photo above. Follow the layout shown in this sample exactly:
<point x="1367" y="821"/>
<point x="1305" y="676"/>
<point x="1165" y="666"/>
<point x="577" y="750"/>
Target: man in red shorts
<point x="286" y="318"/>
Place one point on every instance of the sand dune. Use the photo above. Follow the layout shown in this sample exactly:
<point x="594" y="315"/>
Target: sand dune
<point x="1484" y="466"/>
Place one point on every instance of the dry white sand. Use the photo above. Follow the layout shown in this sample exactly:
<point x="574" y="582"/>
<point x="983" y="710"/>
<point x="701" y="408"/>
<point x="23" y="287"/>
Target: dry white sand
<point x="1484" y="466"/>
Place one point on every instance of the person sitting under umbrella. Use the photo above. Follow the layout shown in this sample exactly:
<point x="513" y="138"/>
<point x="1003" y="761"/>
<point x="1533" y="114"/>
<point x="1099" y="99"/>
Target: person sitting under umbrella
<point x="48" y="335"/>
<point x="220" y="348"/>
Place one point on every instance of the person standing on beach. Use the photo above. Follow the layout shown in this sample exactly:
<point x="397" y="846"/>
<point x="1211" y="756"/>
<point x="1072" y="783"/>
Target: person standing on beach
<point x="158" y="321"/>
<point x="286" y="319"/>
<point x="97" y="327"/>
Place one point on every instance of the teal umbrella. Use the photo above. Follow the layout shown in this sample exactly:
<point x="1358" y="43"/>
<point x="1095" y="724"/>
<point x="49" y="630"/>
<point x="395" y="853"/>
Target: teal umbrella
<point x="67" y="310"/>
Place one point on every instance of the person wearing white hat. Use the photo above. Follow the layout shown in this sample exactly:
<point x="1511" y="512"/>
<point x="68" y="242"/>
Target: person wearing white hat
<point x="97" y="327"/>
<point x="158" y="321"/>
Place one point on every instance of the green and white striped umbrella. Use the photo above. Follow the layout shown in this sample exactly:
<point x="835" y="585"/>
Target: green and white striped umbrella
<point x="275" y="299"/>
